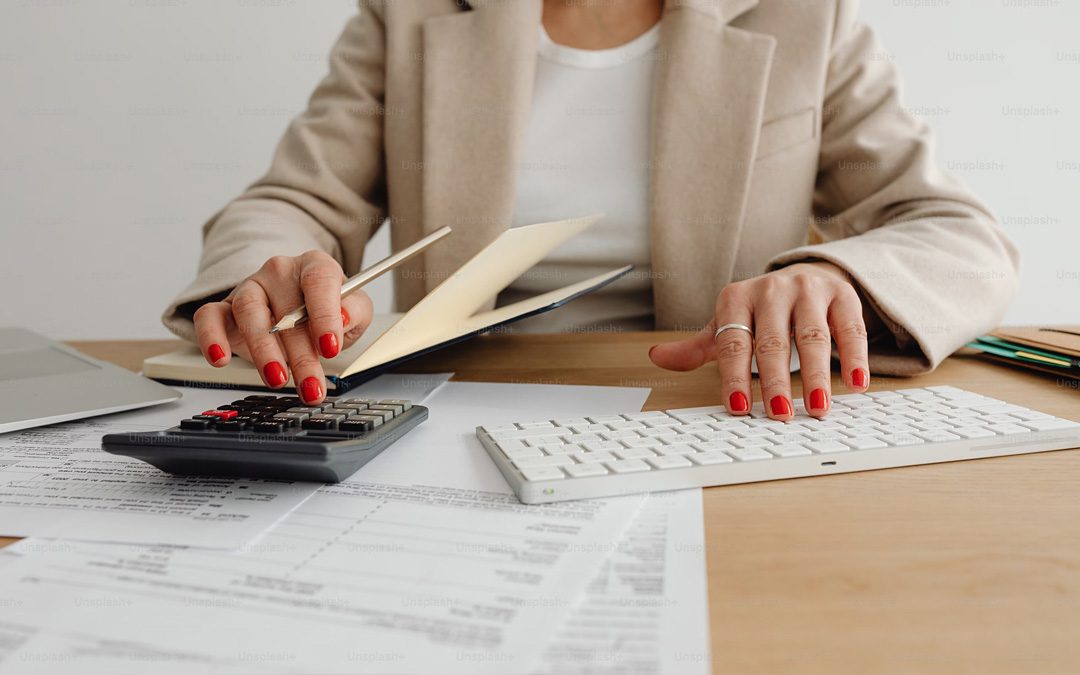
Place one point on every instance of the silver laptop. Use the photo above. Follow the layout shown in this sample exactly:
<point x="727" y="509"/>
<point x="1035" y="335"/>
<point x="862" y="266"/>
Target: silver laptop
<point x="44" y="382"/>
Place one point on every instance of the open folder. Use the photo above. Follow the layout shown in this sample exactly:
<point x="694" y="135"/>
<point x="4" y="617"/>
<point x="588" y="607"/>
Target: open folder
<point x="445" y="316"/>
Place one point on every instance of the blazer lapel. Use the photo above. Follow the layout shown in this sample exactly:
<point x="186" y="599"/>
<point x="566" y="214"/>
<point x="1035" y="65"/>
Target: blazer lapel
<point x="479" y="66"/>
<point x="708" y="98"/>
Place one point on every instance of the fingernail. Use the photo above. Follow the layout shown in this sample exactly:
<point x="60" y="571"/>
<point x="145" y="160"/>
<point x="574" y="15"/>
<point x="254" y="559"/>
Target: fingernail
<point x="858" y="378"/>
<point x="344" y="317"/>
<point x="274" y="374"/>
<point x="819" y="400"/>
<point x="780" y="406"/>
<point x="216" y="353"/>
<point x="738" y="402"/>
<point x="651" y="350"/>
<point x="311" y="390"/>
<point x="328" y="345"/>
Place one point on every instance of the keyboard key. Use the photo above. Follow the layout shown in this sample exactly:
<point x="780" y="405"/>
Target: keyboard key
<point x="750" y="454"/>
<point x="1008" y="429"/>
<point x="599" y="446"/>
<point x="1045" y="424"/>
<point x="633" y="453"/>
<point x="524" y="452"/>
<point x="790" y="450"/>
<point x="901" y="439"/>
<point x="546" y="460"/>
<point x="593" y="457"/>
<point x="711" y="457"/>
<point x="540" y="473"/>
<point x="627" y="466"/>
<point x="938" y="436"/>
<point x="707" y="446"/>
<point x="642" y="442"/>
<point x="586" y="470"/>
<point x="973" y="432"/>
<point x="864" y="443"/>
<point x="669" y="462"/>
<point x="675" y="449"/>
<point x="827" y="447"/>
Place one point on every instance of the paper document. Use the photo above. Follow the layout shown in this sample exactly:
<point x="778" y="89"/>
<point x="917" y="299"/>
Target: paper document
<point x="56" y="481"/>
<point x="646" y="610"/>
<point x="361" y="578"/>
<point x="445" y="451"/>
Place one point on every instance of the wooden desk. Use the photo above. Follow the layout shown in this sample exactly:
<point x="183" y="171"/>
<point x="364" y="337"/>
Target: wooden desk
<point x="966" y="567"/>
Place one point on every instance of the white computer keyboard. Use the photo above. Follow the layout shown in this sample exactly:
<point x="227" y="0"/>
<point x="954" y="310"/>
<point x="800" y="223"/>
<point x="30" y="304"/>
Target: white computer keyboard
<point x="606" y="455"/>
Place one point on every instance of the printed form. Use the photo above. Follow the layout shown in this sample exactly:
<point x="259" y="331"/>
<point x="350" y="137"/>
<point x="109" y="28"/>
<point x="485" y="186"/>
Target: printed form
<point x="380" y="578"/>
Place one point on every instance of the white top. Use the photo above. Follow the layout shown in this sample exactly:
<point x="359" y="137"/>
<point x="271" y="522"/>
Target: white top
<point x="586" y="151"/>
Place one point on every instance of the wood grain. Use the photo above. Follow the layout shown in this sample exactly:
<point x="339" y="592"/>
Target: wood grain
<point x="965" y="567"/>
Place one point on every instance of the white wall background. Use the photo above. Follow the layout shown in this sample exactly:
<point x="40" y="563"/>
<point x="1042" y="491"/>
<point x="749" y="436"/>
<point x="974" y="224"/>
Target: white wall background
<point x="125" y="123"/>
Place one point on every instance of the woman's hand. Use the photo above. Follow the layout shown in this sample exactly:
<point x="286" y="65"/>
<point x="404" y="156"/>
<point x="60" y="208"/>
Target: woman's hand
<point x="240" y="324"/>
<point x="815" y="303"/>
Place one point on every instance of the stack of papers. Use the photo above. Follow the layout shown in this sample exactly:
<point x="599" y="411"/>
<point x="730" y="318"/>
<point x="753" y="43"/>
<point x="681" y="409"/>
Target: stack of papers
<point x="424" y="561"/>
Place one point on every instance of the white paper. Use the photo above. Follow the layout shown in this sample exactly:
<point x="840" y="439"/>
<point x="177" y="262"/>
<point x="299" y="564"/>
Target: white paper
<point x="444" y="450"/>
<point x="646" y="610"/>
<point x="56" y="481"/>
<point x="361" y="578"/>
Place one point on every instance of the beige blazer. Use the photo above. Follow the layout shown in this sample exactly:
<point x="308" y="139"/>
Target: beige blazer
<point x="775" y="124"/>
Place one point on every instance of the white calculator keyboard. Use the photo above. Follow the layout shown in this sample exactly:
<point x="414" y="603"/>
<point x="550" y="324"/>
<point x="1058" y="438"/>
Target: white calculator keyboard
<point x="608" y="455"/>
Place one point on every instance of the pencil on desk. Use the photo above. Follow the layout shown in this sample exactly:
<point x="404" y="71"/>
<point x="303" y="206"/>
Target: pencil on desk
<point x="299" y="315"/>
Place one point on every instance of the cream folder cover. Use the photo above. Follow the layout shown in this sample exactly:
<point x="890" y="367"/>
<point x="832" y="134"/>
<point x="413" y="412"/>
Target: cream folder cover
<point x="448" y="314"/>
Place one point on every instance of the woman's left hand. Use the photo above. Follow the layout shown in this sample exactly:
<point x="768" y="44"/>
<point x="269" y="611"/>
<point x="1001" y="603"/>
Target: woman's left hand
<point x="814" y="302"/>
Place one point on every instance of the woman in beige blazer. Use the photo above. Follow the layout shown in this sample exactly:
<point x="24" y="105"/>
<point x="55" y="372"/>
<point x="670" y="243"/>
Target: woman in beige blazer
<point x="788" y="191"/>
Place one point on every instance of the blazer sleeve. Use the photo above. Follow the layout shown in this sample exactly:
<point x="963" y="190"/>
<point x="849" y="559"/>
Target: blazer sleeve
<point x="325" y="189"/>
<point x="927" y="257"/>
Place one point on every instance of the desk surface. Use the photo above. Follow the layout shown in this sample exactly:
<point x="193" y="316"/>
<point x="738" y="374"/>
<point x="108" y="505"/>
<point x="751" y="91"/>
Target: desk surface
<point x="963" y="567"/>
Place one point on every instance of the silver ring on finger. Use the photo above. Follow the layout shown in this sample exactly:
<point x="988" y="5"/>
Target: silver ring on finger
<point x="733" y="326"/>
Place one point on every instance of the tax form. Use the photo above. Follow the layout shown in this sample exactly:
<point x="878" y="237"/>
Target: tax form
<point x="646" y="610"/>
<point x="361" y="578"/>
<point x="389" y="577"/>
<point x="56" y="481"/>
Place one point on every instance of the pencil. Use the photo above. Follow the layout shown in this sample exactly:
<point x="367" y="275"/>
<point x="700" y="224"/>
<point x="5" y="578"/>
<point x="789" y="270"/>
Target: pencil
<point x="299" y="315"/>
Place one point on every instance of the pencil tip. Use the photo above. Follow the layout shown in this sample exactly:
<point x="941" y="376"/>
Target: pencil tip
<point x="274" y="330"/>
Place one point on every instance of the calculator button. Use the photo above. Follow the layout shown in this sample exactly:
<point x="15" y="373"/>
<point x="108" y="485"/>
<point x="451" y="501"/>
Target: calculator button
<point x="211" y="419"/>
<point x="292" y="418"/>
<point x="194" y="425"/>
<point x="356" y="425"/>
<point x="269" y="427"/>
<point x="223" y="414"/>
<point x="387" y="411"/>
<point x="314" y="424"/>
<point x="308" y="410"/>
<point x="405" y="405"/>
<point x="384" y="415"/>
<point x="231" y="425"/>
<point x="376" y="420"/>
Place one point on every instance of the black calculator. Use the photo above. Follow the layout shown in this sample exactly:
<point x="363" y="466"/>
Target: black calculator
<point x="275" y="437"/>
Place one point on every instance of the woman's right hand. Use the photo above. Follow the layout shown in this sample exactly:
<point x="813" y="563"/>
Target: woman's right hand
<point x="240" y="324"/>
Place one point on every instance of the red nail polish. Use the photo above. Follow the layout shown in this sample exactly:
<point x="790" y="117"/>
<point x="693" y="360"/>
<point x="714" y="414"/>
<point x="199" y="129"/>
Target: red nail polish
<point x="819" y="400"/>
<point x="780" y="406"/>
<point x="328" y="345"/>
<point x="311" y="390"/>
<point x="274" y="374"/>
<point x="858" y="378"/>
<point x="738" y="402"/>
<point x="216" y="353"/>
<point x="344" y="317"/>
